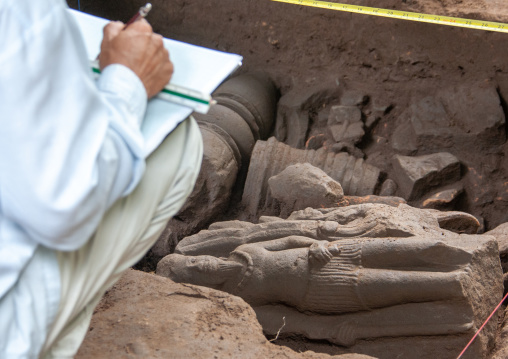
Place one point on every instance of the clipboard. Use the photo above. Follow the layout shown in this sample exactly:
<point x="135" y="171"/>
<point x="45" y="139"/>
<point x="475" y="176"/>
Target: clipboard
<point x="198" y="71"/>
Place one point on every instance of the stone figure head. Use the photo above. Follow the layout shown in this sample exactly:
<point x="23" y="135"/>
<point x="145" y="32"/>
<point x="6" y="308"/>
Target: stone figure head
<point x="203" y="270"/>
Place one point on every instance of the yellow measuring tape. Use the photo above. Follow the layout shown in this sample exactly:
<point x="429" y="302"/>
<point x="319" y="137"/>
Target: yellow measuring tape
<point x="404" y="15"/>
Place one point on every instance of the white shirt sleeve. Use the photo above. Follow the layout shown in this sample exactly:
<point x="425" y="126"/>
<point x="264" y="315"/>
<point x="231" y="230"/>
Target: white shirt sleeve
<point x="69" y="146"/>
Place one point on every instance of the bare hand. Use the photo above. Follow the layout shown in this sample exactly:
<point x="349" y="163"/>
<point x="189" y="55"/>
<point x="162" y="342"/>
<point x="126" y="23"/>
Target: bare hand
<point x="142" y="51"/>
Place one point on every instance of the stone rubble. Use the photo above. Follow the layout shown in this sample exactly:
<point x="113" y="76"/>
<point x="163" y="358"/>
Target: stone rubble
<point x="417" y="175"/>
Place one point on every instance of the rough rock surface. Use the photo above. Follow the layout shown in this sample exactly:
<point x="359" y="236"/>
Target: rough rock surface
<point x="450" y="119"/>
<point x="271" y="157"/>
<point x="501" y="235"/>
<point x="418" y="175"/>
<point x="292" y="121"/>
<point x="303" y="185"/>
<point x="221" y="162"/>
<point x="345" y="123"/>
<point x="443" y="200"/>
<point x="147" y="316"/>
<point x="501" y="350"/>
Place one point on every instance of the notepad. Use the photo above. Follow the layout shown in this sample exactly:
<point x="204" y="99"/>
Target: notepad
<point x="197" y="70"/>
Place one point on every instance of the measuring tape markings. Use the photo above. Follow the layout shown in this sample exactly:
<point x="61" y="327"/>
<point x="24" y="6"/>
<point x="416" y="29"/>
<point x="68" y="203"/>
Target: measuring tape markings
<point x="404" y="15"/>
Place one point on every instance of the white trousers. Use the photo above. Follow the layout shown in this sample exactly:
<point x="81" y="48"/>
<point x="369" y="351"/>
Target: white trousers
<point x="128" y="230"/>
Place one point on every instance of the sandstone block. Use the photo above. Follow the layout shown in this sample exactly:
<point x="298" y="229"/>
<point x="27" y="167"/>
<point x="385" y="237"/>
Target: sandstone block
<point x="345" y="123"/>
<point x="303" y="185"/>
<point x="467" y="116"/>
<point x="419" y="175"/>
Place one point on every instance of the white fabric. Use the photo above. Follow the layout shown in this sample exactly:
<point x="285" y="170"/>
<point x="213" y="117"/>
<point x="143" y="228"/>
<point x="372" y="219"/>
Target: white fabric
<point x="69" y="148"/>
<point x="128" y="230"/>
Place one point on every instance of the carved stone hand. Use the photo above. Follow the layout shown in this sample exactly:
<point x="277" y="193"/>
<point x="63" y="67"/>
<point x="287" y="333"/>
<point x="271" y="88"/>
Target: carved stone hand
<point x="319" y="253"/>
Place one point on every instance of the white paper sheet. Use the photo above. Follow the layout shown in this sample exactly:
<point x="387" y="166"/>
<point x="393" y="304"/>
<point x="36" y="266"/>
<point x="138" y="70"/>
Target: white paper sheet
<point x="195" y="67"/>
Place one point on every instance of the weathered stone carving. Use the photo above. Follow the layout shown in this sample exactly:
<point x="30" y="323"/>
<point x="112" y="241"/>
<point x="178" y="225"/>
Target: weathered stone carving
<point x="347" y="274"/>
<point x="254" y="97"/>
<point x="271" y="157"/>
<point x="302" y="185"/>
<point x="244" y="112"/>
<point x="362" y="220"/>
<point x="219" y="169"/>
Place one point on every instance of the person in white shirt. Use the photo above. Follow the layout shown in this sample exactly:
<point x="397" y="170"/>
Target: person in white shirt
<point x="79" y="202"/>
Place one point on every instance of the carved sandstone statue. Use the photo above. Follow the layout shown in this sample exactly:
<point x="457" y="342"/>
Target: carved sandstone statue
<point x="362" y="220"/>
<point x="370" y="271"/>
<point x="344" y="276"/>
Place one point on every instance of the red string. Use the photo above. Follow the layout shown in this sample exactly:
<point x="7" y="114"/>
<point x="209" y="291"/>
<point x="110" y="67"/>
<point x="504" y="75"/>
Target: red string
<point x="478" y="331"/>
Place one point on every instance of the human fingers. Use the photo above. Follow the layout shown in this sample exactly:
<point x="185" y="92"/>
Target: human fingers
<point x="112" y="29"/>
<point x="157" y="41"/>
<point x="155" y="47"/>
<point x="159" y="73"/>
<point x="140" y="25"/>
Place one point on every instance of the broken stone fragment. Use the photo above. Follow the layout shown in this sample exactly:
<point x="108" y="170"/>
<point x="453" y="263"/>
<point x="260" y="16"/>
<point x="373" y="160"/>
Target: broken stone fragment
<point x="302" y="185"/>
<point x="232" y="123"/>
<point x="271" y="157"/>
<point x="348" y="148"/>
<point x="388" y="188"/>
<point x="404" y="139"/>
<point x="292" y="122"/>
<point x="315" y="142"/>
<point x="345" y="123"/>
<point x="353" y="98"/>
<point x="372" y="120"/>
<point x="465" y="117"/>
<point x="254" y="92"/>
<point x="501" y="235"/>
<point x="419" y="175"/>
<point x="444" y="199"/>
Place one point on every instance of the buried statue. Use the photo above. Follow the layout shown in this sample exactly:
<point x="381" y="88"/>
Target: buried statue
<point x="390" y="281"/>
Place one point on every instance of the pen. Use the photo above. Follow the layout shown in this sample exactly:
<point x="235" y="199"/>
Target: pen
<point x="143" y="11"/>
